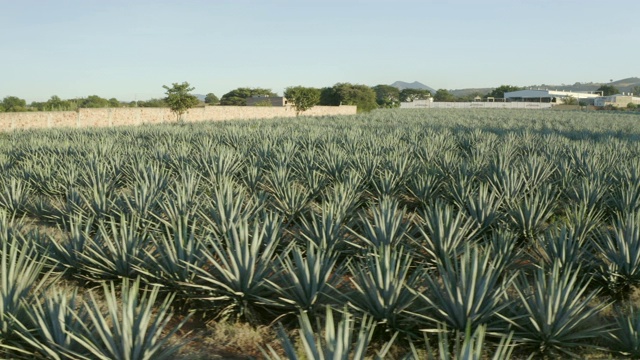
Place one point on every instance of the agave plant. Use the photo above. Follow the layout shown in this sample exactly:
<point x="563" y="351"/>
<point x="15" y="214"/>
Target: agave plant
<point x="134" y="326"/>
<point x="624" y="339"/>
<point x="562" y="246"/>
<point x="483" y="207"/>
<point x="14" y="196"/>
<point x="556" y="313"/>
<point x="383" y="286"/>
<point x="338" y="343"/>
<point x="464" y="345"/>
<point x="530" y="216"/>
<point x="117" y="250"/>
<point x="175" y="250"/>
<point x="237" y="268"/>
<point x="389" y="226"/>
<point x="308" y="277"/>
<point x="444" y="233"/>
<point x="52" y="324"/>
<point x="20" y="278"/>
<point x="66" y="254"/>
<point x="466" y="292"/>
<point x="620" y="254"/>
<point x="325" y="230"/>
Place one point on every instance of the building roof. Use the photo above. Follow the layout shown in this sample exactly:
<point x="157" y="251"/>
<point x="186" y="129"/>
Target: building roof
<point x="548" y="94"/>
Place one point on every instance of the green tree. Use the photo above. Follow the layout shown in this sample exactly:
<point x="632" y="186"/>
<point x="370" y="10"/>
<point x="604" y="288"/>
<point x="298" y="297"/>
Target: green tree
<point x="303" y="98"/>
<point x="498" y="92"/>
<point x="57" y="104"/>
<point x="114" y="103"/>
<point x="443" y="95"/>
<point x="94" y="101"/>
<point x="570" y="100"/>
<point x="349" y="94"/>
<point x="159" y="103"/>
<point x="409" y="95"/>
<point x="211" y="99"/>
<point x="178" y="98"/>
<point x="387" y="96"/>
<point x="608" y="90"/>
<point x="239" y="96"/>
<point x="14" y="104"/>
<point x="635" y="90"/>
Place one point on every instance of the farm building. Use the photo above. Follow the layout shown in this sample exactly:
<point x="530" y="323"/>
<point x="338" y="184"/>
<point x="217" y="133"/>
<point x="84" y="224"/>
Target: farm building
<point x="619" y="100"/>
<point x="547" y="96"/>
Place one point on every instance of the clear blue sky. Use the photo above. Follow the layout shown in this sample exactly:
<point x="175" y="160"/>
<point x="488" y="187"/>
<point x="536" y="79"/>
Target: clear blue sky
<point x="129" y="49"/>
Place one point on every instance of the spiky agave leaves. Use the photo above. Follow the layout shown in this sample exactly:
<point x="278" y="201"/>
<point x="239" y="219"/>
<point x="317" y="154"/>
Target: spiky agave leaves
<point x="625" y="337"/>
<point x="175" y="249"/>
<point x="555" y="313"/>
<point x="325" y="230"/>
<point x="466" y="291"/>
<point x="52" y="325"/>
<point x="443" y="232"/>
<point x="309" y="277"/>
<point x="134" y="327"/>
<point x="14" y="195"/>
<point x="339" y="342"/>
<point x="529" y="216"/>
<point x="564" y="246"/>
<point x="117" y="250"/>
<point x="466" y="345"/>
<point x="382" y="287"/>
<point x="65" y="255"/>
<point x="20" y="277"/>
<point x="619" y="266"/>
<point x="237" y="268"/>
<point x="389" y="226"/>
<point x="483" y="207"/>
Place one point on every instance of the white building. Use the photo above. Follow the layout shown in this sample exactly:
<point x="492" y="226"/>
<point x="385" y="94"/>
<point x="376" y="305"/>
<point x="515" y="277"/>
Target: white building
<point x="619" y="100"/>
<point x="548" y="96"/>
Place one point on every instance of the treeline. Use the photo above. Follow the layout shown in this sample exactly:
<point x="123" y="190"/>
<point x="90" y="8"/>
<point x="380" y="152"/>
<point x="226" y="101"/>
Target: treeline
<point x="366" y="98"/>
<point x="55" y="103"/>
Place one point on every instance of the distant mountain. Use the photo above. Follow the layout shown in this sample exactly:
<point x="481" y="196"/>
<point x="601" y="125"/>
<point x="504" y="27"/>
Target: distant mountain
<point x="200" y="96"/>
<point x="414" y="85"/>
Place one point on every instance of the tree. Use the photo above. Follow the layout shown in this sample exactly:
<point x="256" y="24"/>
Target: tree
<point x="178" y="98"/>
<point x="349" y="94"/>
<point x="114" y="103"/>
<point x="498" y="92"/>
<point x="608" y="90"/>
<point x="303" y="98"/>
<point x="570" y="100"/>
<point x="387" y="96"/>
<point x="409" y="95"/>
<point x="94" y="101"/>
<point x="14" y="104"/>
<point x="239" y="96"/>
<point x="635" y="90"/>
<point x="57" y="104"/>
<point x="443" y="95"/>
<point x="211" y="99"/>
<point x="158" y="103"/>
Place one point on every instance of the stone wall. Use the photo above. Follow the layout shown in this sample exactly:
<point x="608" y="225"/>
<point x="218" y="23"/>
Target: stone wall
<point x="139" y="116"/>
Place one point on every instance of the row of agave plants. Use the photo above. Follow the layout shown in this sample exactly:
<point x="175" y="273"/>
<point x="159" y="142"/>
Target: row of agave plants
<point x="446" y="234"/>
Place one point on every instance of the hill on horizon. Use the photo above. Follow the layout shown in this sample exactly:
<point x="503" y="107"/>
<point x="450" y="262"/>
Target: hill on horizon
<point x="414" y="85"/>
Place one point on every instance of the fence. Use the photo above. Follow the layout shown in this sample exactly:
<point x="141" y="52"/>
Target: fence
<point x="138" y="116"/>
<point x="471" y="105"/>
